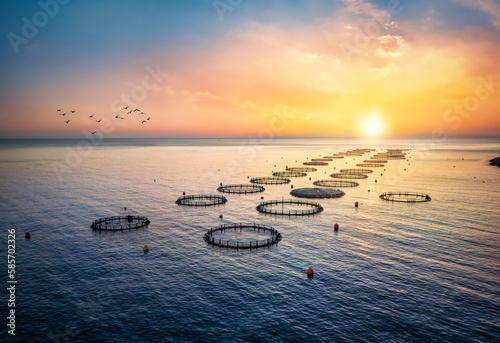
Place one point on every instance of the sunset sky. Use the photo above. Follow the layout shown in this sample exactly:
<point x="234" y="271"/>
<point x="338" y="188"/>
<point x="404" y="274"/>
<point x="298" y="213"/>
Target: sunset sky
<point x="238" y="68"/>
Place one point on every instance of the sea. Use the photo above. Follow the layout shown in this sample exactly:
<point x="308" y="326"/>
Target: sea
<point x="393" y="272"/>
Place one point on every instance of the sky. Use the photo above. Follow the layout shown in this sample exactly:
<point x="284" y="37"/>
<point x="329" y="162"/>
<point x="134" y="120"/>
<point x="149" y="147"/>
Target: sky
<point x="250" y="68"/>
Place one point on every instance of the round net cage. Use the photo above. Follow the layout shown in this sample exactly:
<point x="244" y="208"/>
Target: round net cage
<point x="270" y="180"/>
<point x="348" y="176"/>
<point x="337" y="156"/>
<point x="318" y="193"/>
<point x="372" y="165"/>
<point x="301" y="169"/>
<point x="335" y="183"/>
<point x="324" y="159"/>
<point x="315" y="163"/>
<point x="118" y="223"/>
<point x="375" y="161"/>
<point x="356" y="171"/>
<point x="242" y="236"/>
<point x="290" y="173"/>
<point x="289" y="207"/>
<point x="241" y="189"/>
<point x="201" y="200"/>
<point x="405" y="197"/>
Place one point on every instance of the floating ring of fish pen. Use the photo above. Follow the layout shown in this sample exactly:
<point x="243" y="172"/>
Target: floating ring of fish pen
<point x="325" y="159"/>
<point x="290" y="173"/>
<point x="315" y="163"/>
<point x="118" y="223"/>
<point x="301" y="169"/>
<point x="372" y="165"/>
<point x="274" y="236"/>
<point x="348" y="176"/>
<point x="241" y="189"/>
<point x="396" y="157"/>
<point x="405" y="197"/>
<point x="356" y="171"/>
<point x="201" y="200"/>
<point x="317" y="193"/>
<point x="313" y="207"/>
<point x="337" y="156"/>
<point x="374" y="160"/>
<point x="335" y="183"/>
<point x="270" y="180"/>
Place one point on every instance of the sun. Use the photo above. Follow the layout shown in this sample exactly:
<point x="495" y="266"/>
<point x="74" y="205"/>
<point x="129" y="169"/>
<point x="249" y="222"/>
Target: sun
<point x="372" y="126"/>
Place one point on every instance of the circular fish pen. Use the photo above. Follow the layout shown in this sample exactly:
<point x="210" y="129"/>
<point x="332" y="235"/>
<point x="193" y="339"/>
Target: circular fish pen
<point x="405" y="197"/>
<point x="318" y="193"/>
<point x="242" y="236"/>
<point x="201" y="200"/>
<point x="290" y="173"/>
<point x="375" y="161"/>
<point x="356" y="171"/>
<point x="324" y="159"/>
<point x="119" y="223"/>
<point x="335" y="183"/>
<point x="270" y="180"/>
<point x="285" y="207"/>
<point x="372" y="165"/>
<point x="348" y="176"/>
<point x="241" y="189"/>
<point x="315" y="163"/>
<point x="301" y="169"/>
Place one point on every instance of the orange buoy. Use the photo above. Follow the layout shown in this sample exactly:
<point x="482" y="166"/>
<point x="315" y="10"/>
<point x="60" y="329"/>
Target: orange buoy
<point x="145" y="248"/>
<point x="368" y="190"/>
<point x="221" y="183"/>
<point x="291" y="186"/>
<point x="309" y="179"/>
<point x="183" y="193"/>
<point x="27" y="235"/>
<point x="336" y="227"/>
<point x="375" y="180"/>
<point x="310" y="273"/>
<point x="221" y="216"/>
<point x="356" y="204"/>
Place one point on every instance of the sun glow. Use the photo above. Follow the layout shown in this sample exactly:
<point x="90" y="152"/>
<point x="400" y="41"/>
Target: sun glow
<point x="372" y="126"/>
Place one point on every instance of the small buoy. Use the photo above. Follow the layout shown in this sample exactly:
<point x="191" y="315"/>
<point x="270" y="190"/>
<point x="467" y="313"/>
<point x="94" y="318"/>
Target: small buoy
<point x="183" y="193"/>
<point x="381" y="174"/>
<point x="310" y="273"/>
<point x="368" y="190"/>
<point x="248" y="177"/>
<point x="145" y="248"/>
<point x="154" y="180"/>
<point x="27" y="235"/>
<point x="221" y="183"/>
<point x="291" y="186"/>
<point x="125" y="208"/>
<point x="356" y="204"/>
<point x="405" y="169"/>
<point x="462" y="158"/>
<point x="309" y="179"/>
<point x="261" y="198"/>
<point x="384" y="170"/>
<point x="221" y="216"/>
<point x="336" y="227"/>
<point x="375" y="180"/>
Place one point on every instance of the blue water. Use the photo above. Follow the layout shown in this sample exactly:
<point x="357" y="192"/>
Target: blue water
<point x="394" y="272"/>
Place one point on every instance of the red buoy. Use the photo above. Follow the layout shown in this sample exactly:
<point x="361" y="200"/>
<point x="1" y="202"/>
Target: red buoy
<point x="309" y="179"/>
<point x="336" y="227"/>
<point x="368" y="190"/>
<point x="221" y="183"/>
<point x="27" y="235"/>
<point x="291" y="186"/>
<point x="145" y="248"/>
<point x="262" y="197"/>
<point x="221" y="216"/>
<point x="375" y="180"/>
<point x="356" y="204"/>
<point x="183" y="193"/>
<point x="125" y="208"/>
<point x="310" y="273"/>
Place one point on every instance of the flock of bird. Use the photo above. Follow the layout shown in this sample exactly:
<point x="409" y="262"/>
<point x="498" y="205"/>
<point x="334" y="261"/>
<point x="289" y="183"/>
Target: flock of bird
<point x="126" y="108"/>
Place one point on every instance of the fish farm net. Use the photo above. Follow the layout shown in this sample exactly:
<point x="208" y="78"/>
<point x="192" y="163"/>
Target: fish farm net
<point x="375" y="161"/>
<point x="201" y="200"/>
<point x="290" y="173"/>
<point x="289" y="207"/>
<point x="242" y="236"/>
<point x="270" y="180"/>
<point x="356" y="171"/>
<point x="405" y="197"/>
<point x="335" y="183"/>
<point x="315" y="163"/>
<point x="301" y="169"/>
<point x="118" y="223"/>
<point x="348" y="176"/>
<point x="325" y="159"/>
<point x="241" y="189"/>
<point x="318" y="193"/>
<point x="372" y="165"/>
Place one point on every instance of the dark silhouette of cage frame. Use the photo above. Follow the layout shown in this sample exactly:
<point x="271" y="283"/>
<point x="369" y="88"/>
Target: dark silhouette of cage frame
<point x="274" y="238"/>
<point x="289" y="173"/>
<point x="372" y="165"/>
<point x="241" y="189"/>
<point x="301" y="169"/>
<point x="405" y="197"/>
<point x="315" y="163"/>
<point x="356" y="171"/>
<point x="374" y="160"/>
<point x="201" y="200"/>
<point x="316" y="208"/>
<point x="335" y="183"/>
<point x="348" y="176"/>
<point x="324" y="159"/>
<point x="115" y="223"/>
<point x="298" y="194"/>
<point x="270" y="180"/>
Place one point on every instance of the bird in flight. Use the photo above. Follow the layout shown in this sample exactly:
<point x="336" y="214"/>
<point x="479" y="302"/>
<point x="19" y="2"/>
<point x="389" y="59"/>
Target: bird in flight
<point x="98" y="120"/>
<point x="73" y="111"/>
<point x="91" y="116"/>
<point x="144" y="122"/>
<point x="59" y="110"/>
<point x="93" y="132"/>
<point x="129" y="112"/>
<point x="136" y="110"/>
<point x="126" y="108"/>
<point x="148" y="118"/>
<point x="117" y="116"/>
<point x="62" y="114"/>
<point x="67" y="121"/>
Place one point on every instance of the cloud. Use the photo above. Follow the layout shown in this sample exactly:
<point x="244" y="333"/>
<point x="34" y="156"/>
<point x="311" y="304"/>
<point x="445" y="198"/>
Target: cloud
<point x="490" y="7"/>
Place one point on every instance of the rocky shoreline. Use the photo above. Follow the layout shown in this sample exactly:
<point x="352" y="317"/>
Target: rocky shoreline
<point x="495" y="162"/>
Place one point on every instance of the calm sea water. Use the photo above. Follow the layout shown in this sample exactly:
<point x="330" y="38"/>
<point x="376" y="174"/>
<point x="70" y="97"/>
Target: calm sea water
<point x="394" y="272"/>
